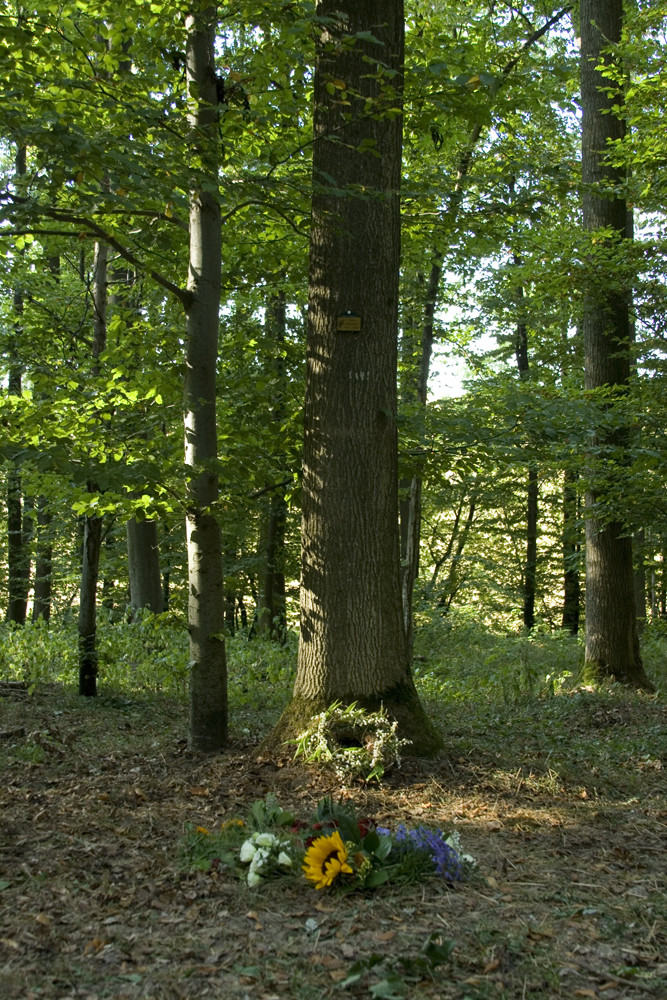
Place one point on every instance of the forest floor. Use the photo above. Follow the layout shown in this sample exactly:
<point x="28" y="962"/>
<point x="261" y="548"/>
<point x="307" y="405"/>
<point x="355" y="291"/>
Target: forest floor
<point x="570" y="835"/>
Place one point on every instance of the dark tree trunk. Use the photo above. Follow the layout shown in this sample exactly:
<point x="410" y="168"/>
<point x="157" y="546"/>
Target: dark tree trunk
<point x="18" y="557"/>
<point x="571" y="550"/>
<point x="612" y="643"/>
<point x="92" y="533"/>
<point x="352" y="643"/>
<point x="206" y="606"/>
<point x="92" y="542"/>
<point x="532" y="490"/>
<point x="144" y="565"/>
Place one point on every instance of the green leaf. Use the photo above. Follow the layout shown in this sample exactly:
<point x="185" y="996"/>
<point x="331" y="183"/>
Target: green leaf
<point x="376" y="877"/>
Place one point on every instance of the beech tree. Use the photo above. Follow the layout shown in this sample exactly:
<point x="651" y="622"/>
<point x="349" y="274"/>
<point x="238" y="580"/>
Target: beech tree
<point x="612" y="643"/>
<point x="353" y="644"/>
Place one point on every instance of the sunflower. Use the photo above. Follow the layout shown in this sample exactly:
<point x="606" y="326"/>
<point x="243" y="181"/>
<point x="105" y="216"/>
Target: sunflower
<point x="325" y="860"/>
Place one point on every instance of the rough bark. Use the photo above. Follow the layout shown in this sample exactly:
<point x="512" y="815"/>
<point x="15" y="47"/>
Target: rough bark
<point x="352" y="642"/>
<point x="144" y="565"/>
<point x="612" y="644"/>
<point x="208" y="676"/>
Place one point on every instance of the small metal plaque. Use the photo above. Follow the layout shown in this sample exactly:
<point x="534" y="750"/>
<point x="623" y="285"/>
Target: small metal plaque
<point x="349" y="322"/>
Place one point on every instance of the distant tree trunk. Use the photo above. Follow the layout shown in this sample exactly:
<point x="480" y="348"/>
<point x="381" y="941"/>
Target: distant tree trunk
<point x="612" y="643"/>
<point x="206" y="608"/>
<point x="571" y="549"/>
<point x="532" y="489"/>
<point x="18" y="556"/>
<point x="92" y="534"/>
<point x="144" y="565"/>
<point x="411" y="504"/>
<point x="41" y="607"/>
<point x="639" y="557"/>
<point x="352" y="642"/>
<point x="271" y="620"/>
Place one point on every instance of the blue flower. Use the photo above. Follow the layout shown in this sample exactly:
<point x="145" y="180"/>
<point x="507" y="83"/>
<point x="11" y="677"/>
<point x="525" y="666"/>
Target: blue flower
<point x="432" y="842"/>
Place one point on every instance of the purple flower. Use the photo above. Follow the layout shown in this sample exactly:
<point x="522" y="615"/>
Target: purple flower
<point x="382" y="831"/>
<point x="432" y="842"/>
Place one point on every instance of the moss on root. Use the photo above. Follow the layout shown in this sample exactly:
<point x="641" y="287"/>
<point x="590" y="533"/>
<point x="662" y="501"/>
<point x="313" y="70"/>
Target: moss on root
<point x="599" y="673"/>
<point x="400" y="703"/>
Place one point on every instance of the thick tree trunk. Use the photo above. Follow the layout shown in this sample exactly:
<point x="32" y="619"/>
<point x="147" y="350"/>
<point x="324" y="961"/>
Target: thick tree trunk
<point x="92" y="532"/>
<point x="352" y="643"/>
<point x="208" y="676"/>
<point x="571" y="549"/>
<point x="612" y="644"/>
<point x="144" y="565"/>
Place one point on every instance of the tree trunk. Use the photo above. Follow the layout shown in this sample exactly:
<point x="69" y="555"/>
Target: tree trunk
<point x="271" y="620"/>
<point x="352" y="643"/>
<point x="612" y="643"/>
<point x="92" y="542"/>
<point x="41" y="607"/>
<point x="18" y="557"/>
<point x="92" y="532"/>
<point x="532" y="491"/>
<point x="639" y="556"/>
<point x="208" y="676"/>
<point x="571" y="549"/>
<point x="144" y="565"/>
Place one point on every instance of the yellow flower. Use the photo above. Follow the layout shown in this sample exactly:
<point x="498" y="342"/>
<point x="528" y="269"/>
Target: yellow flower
<point x="203" y="830"/>
<point x="231" y="822"/>
<point x="325" y="860"/>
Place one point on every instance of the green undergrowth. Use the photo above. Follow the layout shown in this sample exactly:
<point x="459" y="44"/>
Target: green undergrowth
<point x="498" y="699"/>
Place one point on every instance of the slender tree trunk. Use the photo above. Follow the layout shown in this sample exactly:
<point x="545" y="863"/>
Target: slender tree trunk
<point x="639" y="557"/>
<point x="532" y="489"/>
<point x="18" y="557"/>
<point x="612" y="643"/>
<point x="411" y="505"/>
<point x="208" y="676"/>
<point x="144" y="565"/>
<point x="271" y="619"/>
<point x="92" y="541"/>
<point x="92" y="533"/>
<point x="41" y="607"/>
<point x="352" y="641"/>
<point x="571" y="549"/>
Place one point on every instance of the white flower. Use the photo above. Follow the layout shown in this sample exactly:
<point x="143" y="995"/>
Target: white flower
<point x="247" y="852"/>
<point x="254" y="878"/>
<point x="258" y="861"/>
<point x="265" y="839"/>
<point x="454" y="841"/>
<point x="469" y="860"/>
<point x="284" y="860"/>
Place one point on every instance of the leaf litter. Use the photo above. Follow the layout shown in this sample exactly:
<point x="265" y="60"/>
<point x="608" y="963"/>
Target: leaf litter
<point x="568" y="901"/>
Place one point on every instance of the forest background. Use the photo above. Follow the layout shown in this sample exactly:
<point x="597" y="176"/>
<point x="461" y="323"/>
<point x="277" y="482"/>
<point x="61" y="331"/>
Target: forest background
<point x="121" y="124"/>
<point x="98" y="174"/>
